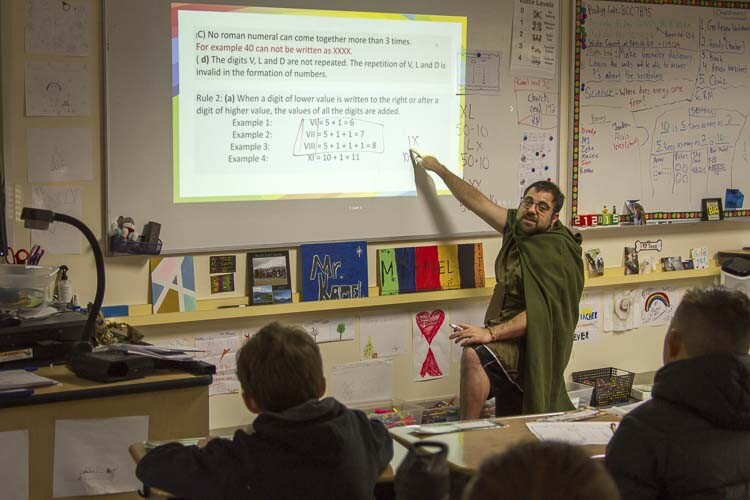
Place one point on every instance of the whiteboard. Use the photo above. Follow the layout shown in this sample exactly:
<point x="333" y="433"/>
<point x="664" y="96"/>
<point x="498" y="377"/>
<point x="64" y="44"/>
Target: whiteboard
<point x="509" y="126"/>
<point x="661" y="106"/>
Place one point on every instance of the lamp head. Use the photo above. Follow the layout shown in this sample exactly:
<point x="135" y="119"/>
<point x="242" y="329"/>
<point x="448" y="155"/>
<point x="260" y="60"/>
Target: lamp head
<point x="37" y="218"/>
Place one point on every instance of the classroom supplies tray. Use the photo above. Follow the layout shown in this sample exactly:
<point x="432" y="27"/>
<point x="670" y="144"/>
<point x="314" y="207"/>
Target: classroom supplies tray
<point x="394" y="412"/>
<point x="611" y="385"/>
<point x="119" y="245"/>
<point x="579" y="394"/>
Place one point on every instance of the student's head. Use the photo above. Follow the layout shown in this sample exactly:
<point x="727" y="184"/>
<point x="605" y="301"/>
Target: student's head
<point x="280" y="367"/>
<point x="542" y="470"/>
<point x="708" y="320"/>
<point x="540" y="207"/>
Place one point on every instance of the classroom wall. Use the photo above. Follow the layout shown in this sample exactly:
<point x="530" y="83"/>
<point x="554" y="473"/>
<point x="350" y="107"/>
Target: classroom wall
<point x="128" y="277"/>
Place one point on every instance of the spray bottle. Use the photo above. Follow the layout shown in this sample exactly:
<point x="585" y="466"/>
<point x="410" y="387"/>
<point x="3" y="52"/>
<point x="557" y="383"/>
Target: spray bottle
<point x="64" y="286"/>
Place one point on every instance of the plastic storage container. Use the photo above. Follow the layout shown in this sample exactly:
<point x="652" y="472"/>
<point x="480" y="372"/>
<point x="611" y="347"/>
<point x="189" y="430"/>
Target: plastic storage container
<point x="579" y="394"/>
<point x="611" y="385"/>
<point x="439" y="410"/>
<point x="26" y="288"/>
<point x="394" y="413"/>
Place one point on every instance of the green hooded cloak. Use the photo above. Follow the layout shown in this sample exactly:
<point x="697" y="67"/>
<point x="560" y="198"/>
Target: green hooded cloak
<point x="552" y="283"/>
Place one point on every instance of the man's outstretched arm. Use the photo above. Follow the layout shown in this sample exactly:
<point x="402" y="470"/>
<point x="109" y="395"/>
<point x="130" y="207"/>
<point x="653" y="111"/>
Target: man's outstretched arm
<point x="471" y="197"/>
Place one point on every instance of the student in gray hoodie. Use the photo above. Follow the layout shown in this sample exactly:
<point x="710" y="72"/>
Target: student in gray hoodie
<point x="692" y="439"/>
<point x="302" y="446"/>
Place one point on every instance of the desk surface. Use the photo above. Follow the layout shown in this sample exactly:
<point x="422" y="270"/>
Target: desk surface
<point x="467" y="449"/>
<point x="71" y="387"/>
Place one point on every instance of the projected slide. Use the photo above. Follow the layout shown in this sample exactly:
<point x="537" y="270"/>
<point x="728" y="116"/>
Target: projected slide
<point x="287" y="103"/>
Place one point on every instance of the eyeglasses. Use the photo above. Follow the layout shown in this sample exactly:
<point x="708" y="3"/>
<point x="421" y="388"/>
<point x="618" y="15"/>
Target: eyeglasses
<point x="541" y="206"/>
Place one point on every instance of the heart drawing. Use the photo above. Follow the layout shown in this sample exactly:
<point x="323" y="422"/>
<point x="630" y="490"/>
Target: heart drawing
<point x="429" y="324"/>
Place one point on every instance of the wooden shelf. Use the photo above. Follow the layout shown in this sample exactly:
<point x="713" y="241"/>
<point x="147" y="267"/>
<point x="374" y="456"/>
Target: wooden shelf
<point x="615" y="276"/>
<point x="208" y="310"/>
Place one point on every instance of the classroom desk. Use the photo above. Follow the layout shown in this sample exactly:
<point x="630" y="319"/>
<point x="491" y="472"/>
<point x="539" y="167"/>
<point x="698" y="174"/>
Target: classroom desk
<point x="138" y="451"/>
<point x="467" y="449"/>
<point x="157" y="396"/>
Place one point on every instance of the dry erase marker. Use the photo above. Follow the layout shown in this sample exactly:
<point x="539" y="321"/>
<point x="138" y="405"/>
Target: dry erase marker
<point x="455" y="327"/>
<point x="230" y="307"/>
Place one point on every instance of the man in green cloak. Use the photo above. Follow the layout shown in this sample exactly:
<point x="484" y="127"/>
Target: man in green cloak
<point x="519" y="354"/>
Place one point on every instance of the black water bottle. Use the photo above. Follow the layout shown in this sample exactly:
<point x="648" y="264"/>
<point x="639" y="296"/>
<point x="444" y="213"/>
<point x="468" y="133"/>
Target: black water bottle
<point x="424" y="474"/>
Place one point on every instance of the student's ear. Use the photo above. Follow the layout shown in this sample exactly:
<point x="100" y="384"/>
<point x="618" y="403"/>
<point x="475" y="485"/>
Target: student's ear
<point x="673" y="345"/>
<point x="555" y="218"/>
<point x="322" y="388"/>
<point x="250" y="403"/>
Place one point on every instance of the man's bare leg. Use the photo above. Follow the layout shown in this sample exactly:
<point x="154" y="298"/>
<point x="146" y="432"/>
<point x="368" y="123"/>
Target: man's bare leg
<point x="475" y="385"/>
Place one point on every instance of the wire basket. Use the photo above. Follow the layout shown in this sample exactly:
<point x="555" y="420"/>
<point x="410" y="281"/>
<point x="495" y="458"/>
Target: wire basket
<point x="120" y="245"/>
<point x="611" y="385"/>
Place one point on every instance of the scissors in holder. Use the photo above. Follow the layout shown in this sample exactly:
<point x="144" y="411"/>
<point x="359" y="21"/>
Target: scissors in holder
<point x="19" y="257"/>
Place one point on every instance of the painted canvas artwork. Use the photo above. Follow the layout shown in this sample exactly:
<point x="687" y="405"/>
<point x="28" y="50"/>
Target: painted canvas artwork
<point x="332" y="271"/>
<point x="427" y="268"/>
<point x="172" y="284"/>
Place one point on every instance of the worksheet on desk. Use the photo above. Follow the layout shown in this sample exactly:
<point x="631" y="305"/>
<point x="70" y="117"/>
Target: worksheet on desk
<point x="92" y="458"/>
<point x="577" y="433"/>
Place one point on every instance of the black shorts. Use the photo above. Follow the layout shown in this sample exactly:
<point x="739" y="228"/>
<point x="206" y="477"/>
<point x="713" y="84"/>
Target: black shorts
<point x="508" y="395"/>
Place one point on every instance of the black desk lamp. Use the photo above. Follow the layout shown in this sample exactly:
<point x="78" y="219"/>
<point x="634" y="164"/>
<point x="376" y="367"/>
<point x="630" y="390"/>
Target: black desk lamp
<point x="40" y="219"/>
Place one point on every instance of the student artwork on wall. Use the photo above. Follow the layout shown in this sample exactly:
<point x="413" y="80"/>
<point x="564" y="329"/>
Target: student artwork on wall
<point x="220" y="349"/>
<point x="384" y="335"/>
<point x="268" y="278"/>
<point x="621" y="311"/>
<point x="172" y="284"/>
<point x="658" y="305"/>
<point x="428" y="268"/>
<point x="590" y="318"/>
<point x="333" y="271"/>
<point x="222" y="283"/>
<point x="430" y="345"/>
<point x="330" y="330"/>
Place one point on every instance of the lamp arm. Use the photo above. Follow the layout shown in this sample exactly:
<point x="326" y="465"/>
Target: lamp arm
<point x="99" y="261"/>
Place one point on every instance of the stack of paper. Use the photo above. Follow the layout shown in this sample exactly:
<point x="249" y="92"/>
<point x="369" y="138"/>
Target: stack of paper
<point x="157" y="352"/>
<point x="21" y="379"/>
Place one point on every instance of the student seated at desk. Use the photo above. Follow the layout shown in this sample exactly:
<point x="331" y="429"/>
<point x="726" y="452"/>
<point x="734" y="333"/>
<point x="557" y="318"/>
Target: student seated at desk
<point x="692" y="439"/>
<point x="302" y="446"/>
<point x="541" y="470"/>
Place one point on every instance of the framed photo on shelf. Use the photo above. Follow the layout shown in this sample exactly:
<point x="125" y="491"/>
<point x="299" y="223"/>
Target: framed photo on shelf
<point x="268" y="278"/>
<point x="712" y="209"/>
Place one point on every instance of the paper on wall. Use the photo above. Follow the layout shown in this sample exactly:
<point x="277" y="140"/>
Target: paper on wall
<point x="430" y="345"/>
<point x="220" y="349"/>
<point x="330" y="330"/>
<point x="60" y="238"/>
<point x="657" y="305"/>
<point x="59" y="154"/>
<point x="92" y="458"/>
<point x="536" y="35"/>
<point x="383" y="335"/>
<point x="364" y="381"/>
<point x="58" y="27"/>
<point x="590" y="318"/>
<point x="622" y="311"/>
<point x="14" y="464"/>
<point x="57" y="89"/>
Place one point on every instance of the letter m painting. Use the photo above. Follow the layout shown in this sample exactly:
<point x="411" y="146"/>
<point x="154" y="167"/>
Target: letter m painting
<point x="334" y="270"/>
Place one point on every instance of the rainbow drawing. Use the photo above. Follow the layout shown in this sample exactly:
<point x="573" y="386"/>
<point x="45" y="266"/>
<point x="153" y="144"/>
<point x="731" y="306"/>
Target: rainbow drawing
<point x="656" y="297"/>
